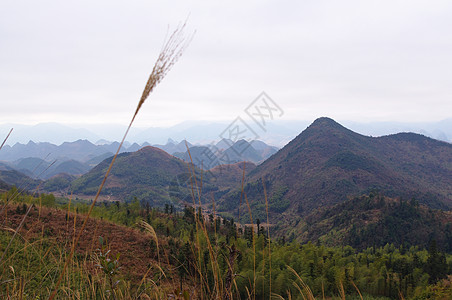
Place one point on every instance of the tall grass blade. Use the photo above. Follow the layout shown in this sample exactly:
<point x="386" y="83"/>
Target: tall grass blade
<point x="4" y="141"/>
<point x="268" y="236"/>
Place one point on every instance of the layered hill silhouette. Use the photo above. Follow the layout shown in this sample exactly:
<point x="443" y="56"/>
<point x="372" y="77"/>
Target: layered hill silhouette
<point x="45" y="160"/>
<point x="327" y="164"/>
<point x="227" y="152"/>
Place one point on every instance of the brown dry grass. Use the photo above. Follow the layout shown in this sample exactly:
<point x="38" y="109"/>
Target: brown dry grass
<point x="134" y="246"/>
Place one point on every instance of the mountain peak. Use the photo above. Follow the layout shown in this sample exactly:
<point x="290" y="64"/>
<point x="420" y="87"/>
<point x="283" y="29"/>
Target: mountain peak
<point x="326" y="122"/>
<point x="325" y="127"/>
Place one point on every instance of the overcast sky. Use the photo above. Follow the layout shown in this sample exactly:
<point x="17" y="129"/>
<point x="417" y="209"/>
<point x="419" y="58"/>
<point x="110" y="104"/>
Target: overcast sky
<point x="88" y="61"/>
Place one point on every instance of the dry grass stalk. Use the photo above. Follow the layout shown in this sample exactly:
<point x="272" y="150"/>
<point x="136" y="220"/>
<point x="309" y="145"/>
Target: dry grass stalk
<point x="304" y="289"/>
<point x="400" y="295"/>
<point x="172" y="49"/>
<point x="254" y="245"/>
<point x="4" y="141"/>
<point x="192" y="170"/>
<point x="341" y="290"/>
<point x="359" y="293"/>
<point x="268" y="236"/>
<point x="149" y="229"/>
<point x="241" y="191"/>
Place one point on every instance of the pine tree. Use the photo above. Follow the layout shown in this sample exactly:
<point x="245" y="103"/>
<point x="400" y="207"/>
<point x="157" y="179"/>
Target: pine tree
<point x="436" y="266"/>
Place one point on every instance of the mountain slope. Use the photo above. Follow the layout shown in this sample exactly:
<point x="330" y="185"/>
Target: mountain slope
<point x="375" y="220"/>
<point x="242" y="151"/>
<point x="19" y="179"/>
<point x="328" y="163"/>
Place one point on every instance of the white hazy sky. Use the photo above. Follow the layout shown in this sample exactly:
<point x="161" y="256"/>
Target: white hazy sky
<point x="87" y="61"/>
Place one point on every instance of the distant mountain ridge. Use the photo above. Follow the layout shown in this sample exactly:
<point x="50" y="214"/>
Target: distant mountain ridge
<point x="81" y="150"/>
<point x="278" y="132"/>
<point x="227" y="152"/>
<point x="203" y="132"/>
<point x="78" y="157"/>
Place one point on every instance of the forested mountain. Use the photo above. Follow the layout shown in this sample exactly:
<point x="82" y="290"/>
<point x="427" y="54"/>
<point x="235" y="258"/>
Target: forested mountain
<point x="327" y="163"/>
<point x="150" y="174"/>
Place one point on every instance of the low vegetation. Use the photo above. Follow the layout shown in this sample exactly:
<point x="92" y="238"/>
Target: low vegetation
<point x="196" y="255"/>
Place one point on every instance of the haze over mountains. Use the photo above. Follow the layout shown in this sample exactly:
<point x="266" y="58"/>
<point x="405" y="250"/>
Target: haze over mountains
<point x="44" y="160"/>
<point x="278" y="132"/>
<point x="195" y="131"/>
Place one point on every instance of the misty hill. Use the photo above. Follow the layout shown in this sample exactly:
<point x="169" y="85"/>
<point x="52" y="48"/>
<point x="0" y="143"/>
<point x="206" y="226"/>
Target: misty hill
<point x="226" y="152"/>
<point x="31" y="166"/>
<point x="44" y="160"/>
<point x="242" y="151"/>
<point x="172" y="147"/>
<point x="54" y="133"/>
<point x="201" y="156"/>
<point x="98" y="159"/>
<point x="328" y="163"/>
<point x="81" y="150"/>
<point x="278" y="132"/>
<point x="40" y="169"/>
